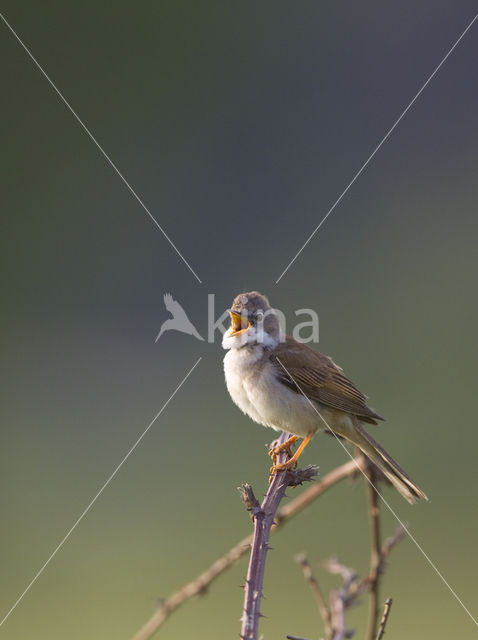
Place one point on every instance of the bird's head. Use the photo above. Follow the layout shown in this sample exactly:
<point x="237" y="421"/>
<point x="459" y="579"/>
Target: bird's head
<point x="253" y="321"/>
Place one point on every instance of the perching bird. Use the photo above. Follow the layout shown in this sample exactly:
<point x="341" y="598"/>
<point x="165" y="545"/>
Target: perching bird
<point x="179" y="321"/>
<point x="284" y="384"/>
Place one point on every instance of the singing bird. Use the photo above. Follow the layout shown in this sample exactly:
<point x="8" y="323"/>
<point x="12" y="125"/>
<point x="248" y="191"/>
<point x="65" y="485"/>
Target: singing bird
<point x="179" y="321"/>
<point x="284" y="384"/>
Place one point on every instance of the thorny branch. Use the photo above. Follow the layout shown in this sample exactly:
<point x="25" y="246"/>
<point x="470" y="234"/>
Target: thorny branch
<point x="199" y="586"/>
<point x="333" y="614"/>
<point x="263" y="521"/>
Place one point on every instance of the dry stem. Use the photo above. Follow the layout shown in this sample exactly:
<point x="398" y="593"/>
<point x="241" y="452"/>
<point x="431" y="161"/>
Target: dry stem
<point x="375" y="551"/>
<point x="263" y="521"/>
<point x="383" y="622"/>
<point x="317" y="592"/>
<point x="198" y="586"/>
<point x="341" y="599"/>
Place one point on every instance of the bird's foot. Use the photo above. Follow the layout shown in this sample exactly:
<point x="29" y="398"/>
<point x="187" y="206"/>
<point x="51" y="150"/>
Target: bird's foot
<point x="290" y="464"/>
<point x="285" y="446"/>
<point x="285" y="466"/>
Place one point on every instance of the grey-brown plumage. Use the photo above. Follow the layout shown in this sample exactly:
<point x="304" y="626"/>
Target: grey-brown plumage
<point x="320" y="379"/>
<point x="282" y="383"/>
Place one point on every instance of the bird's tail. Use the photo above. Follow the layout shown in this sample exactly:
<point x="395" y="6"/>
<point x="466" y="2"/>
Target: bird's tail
<point x="391" y="469"/>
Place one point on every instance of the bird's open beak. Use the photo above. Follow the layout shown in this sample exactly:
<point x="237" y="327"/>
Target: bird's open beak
<point x="238" y="322"/>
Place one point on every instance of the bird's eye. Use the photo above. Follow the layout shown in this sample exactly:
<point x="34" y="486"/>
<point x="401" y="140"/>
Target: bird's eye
<point x="259" y="316"/>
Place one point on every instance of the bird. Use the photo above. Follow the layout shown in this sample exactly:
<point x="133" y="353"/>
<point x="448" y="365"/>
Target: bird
<point x="179" y="321"/>
<point x="284" y="384"/>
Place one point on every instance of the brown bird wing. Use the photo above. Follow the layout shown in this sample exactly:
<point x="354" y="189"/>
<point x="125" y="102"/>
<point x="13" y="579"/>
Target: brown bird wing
<point x="319" y="378"/>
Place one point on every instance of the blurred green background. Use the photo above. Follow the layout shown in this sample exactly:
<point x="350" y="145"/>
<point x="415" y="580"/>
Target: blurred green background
<point x="238" y="124"/>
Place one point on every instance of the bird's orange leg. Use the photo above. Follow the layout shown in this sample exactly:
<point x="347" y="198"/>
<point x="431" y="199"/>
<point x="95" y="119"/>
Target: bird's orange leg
<point x="290" y="464"/>
<point x="285" y="446"/>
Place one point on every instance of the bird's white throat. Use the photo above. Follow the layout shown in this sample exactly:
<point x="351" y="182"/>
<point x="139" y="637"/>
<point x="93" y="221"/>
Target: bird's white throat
<point x="253" y="335"/>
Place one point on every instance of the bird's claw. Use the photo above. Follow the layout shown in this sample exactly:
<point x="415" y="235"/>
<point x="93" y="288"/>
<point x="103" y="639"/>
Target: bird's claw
<point x="285" y="446"/>
<point x="285" y="466"/>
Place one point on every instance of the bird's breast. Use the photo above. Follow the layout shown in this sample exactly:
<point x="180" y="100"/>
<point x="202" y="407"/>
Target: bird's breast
<point x="254" y="387"/>
<point x="243" y="371"/>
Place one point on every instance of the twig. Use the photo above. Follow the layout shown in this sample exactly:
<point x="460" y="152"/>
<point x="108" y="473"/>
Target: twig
<point x="192" y="589"/>
<point x="317" y="592"/>
<point x="343" y="598"/>
<point x="383" y="622"/>
<point x="340" y="599"/>
<point x="375" y="551"/>
<point x="263" y="521"/>
<point x="337" y="607"/>
<point x="391" y="542"/>
<point x="249" y="499"/>
<point x="336" y="567"/>
<point x="201" y="583"/>
<point x="359" y="587"/>
<point x="346" y="470"/>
